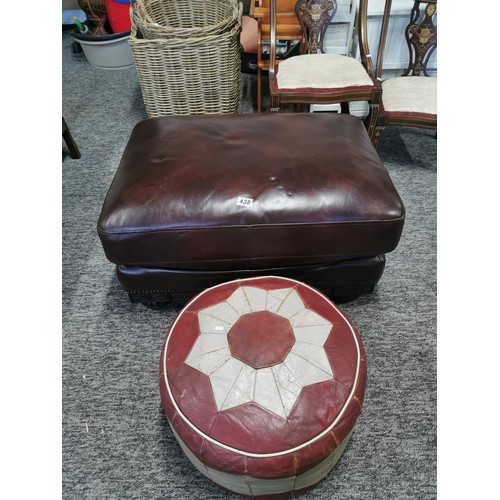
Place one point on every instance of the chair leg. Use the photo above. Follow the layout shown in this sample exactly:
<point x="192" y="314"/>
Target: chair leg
<point x="344" y="108"/>
<point x="275" y="104"/>
<point x="70" y="142"/>
<point x="371" y="121"/>
<point x="377" y="136"/>
<point x="259" y="89"/>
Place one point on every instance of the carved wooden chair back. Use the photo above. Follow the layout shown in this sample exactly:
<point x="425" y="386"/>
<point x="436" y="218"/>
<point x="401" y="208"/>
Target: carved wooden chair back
<point x="420" y="35"/>
<point x="314" y="17"/>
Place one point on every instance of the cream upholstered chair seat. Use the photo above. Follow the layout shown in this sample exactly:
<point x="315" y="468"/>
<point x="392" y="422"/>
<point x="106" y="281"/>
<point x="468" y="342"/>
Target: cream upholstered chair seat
<point x="321" y="71"/>
<point x="315" y="77"/>
<point x="410" y="94"/>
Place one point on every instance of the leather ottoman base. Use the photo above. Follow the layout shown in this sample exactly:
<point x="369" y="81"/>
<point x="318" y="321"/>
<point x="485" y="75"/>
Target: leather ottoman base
<point x="262" y="381"/>
<point x="341" y="281"/>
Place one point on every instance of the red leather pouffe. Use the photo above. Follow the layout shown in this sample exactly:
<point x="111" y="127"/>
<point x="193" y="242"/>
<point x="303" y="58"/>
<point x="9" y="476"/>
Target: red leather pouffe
<point x="262" y="380"/>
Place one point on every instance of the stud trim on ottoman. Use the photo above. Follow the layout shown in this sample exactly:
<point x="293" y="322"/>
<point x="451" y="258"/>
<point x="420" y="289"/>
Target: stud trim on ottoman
<point x="262" y="380"/>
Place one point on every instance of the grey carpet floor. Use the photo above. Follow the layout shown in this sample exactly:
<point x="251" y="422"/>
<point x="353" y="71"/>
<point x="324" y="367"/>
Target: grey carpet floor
<point x="116" y="442"/>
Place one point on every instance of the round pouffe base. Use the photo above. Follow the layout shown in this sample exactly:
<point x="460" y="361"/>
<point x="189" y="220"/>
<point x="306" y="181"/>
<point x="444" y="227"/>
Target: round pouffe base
<point x="262" y="381"/>
<point x="253" y="487"/>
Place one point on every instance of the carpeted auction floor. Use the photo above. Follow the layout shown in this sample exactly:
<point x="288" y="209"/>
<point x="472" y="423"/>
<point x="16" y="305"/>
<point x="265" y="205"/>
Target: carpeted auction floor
<point x="117" y="443"/>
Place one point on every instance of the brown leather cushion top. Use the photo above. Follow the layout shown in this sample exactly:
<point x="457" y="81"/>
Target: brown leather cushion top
<point x="318" y="190"/>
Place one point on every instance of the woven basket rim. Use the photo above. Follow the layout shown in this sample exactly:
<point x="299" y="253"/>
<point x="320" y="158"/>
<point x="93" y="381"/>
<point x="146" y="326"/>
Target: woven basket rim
<point x="182" y="41"/>
<point x="147" y="24"/>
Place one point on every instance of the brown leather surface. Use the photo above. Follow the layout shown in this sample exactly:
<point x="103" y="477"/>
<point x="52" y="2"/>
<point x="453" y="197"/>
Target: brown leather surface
<point x="339" y="280"/>
<point x="320" y="193"/>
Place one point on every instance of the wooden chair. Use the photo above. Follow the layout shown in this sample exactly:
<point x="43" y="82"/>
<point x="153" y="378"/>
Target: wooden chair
<point x="314" y="77"/>
<point x="287" y="29"/>
<point x="409" y="99"/>
<point x="70" y="142"/>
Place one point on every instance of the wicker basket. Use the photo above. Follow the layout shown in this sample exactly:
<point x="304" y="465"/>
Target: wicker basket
<point x="163" y="18"/>
<point x="189" y="76"/>
<point x="93" y="6"/>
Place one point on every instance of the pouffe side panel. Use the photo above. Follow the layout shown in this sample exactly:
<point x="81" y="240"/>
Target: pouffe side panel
<point x="299" y="461"/>
<point x="198" y="464"/>
<point x="260" y="487"/>
<point x="187" y="435"/>
<point x="320" y="471"/>
<point x="272" y="467"/>
<point x="169" y="408"/>
<point x="355" y="406"/>
<point x="344" y="427"/>
<point x="353" y="409"/>
<point x="232" y="482"/>
<point x="239" y="427"/>
<point x="308" y="457"/>
<point x="219" y="458"/>
<point x="191" y="439"/>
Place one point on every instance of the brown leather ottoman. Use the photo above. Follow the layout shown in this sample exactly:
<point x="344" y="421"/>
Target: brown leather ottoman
<point x="262" y="381"/>
<point x="201" y="200"/>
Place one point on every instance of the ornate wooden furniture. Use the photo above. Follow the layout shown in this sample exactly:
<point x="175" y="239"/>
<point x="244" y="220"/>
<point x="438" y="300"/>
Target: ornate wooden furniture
<point x="70" y="142"/>
<point x="409" y="99"/>
<point x="287" y="29"/>
<point x="314" y="77"/>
